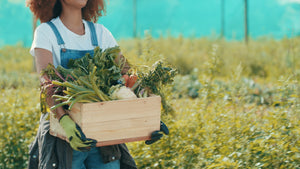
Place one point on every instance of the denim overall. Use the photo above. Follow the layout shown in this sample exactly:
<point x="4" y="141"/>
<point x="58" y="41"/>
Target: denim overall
<point x="91" y="159"/>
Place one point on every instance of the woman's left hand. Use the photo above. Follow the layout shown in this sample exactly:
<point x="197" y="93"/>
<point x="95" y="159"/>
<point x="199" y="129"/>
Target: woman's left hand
<point x="157" y="135"/>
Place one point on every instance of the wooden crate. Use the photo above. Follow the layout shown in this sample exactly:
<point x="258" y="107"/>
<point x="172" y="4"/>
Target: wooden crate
<point x="114" y="122"/>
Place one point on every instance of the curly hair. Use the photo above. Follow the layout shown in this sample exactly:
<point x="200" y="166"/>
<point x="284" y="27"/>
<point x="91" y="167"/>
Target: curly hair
<point x="45" y="10"/>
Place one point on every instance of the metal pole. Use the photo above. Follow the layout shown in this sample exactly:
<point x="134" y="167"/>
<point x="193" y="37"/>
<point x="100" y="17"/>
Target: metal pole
<point x="246" y="20"/>
<point x="134" y="19"/>
<point x="34" y="25"/>
<point x="222" y="18"/>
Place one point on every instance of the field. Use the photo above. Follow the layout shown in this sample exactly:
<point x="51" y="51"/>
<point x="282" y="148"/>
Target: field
<point x="236" y="105"/>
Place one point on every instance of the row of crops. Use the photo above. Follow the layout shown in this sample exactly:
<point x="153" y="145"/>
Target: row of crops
<point x="236" y="105"/>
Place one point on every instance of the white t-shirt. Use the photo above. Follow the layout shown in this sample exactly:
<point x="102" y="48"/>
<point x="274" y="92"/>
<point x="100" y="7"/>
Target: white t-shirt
<point x="45" y="38"/>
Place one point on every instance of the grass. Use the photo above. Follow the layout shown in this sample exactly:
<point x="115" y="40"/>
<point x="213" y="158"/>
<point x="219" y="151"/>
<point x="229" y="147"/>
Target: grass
<point x="237" y="106"/>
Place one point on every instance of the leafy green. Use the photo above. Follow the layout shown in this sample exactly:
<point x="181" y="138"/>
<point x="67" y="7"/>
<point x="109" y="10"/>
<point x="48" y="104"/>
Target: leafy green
<point x="84" y="75"/>
<point x="154" y="80"/>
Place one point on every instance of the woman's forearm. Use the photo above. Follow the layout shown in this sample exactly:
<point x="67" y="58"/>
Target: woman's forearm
<point x="51" y="102"/>
<point x="43" y="58"/>
<point x="59" y="112"/>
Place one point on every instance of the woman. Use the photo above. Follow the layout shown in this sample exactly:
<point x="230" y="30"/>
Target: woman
<point x="66" y="32"/>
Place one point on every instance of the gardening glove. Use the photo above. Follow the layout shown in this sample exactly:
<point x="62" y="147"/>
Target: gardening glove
<point x="77" y="139"/>
<point x="156" y="135"/>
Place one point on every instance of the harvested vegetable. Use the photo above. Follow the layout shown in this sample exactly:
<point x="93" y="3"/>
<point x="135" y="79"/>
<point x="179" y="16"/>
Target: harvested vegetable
<point x="121" y="93"/>
<point x="154" y="80"/>
<point x="131" y="81"/>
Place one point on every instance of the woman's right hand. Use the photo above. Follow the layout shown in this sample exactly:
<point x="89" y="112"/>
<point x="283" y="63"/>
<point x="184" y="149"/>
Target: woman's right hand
<point x="77" y="139"/>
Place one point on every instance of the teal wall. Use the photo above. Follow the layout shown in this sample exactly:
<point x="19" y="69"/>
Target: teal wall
<point x="191" y="18"/>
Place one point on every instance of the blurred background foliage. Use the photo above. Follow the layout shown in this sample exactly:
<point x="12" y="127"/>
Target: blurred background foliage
<point x="236" y="105"/>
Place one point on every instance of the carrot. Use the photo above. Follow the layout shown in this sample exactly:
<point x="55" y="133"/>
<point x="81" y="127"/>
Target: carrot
<point x="131" y="81"/>
<point x="126" y="77"/>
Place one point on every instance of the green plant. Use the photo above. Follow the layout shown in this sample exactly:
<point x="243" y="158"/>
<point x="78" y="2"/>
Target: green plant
<point x="251" y="121"/>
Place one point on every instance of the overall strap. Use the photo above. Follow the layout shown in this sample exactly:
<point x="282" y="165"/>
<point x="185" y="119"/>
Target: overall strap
<point x="93" y="33"/>
<point x="60" y="41"/>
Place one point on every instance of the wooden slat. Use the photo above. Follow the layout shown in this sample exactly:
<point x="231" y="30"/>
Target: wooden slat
<point x="148" y="121"/>
<point x="107" y="143"/>
<point x="129" y="128"/>
<point x="121" y="109"/>
<point x="120" y="141"/>
<point x="55" y="128"/>
<point x="76" y="114"/>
